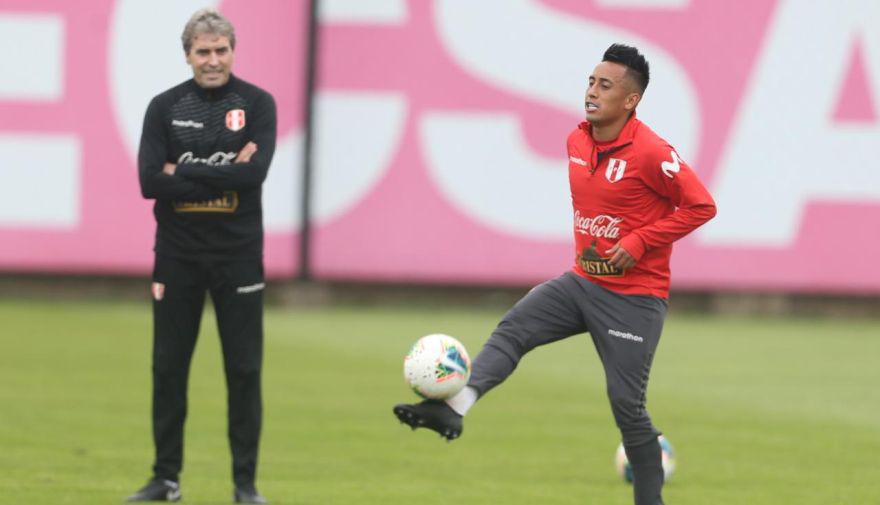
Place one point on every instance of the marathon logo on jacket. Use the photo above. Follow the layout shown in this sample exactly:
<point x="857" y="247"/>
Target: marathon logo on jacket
<point x="601" y="226"/>
<point x="592" y="263"/>
<point x="615" y="170"/>
<point x="189" y="123"/>
<point x="235" y="119"/>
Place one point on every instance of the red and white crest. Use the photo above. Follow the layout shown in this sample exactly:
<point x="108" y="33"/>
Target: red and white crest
<point x="615" y="170"/>
<point x="235" y="119"/>
<point x="158" y="291"/>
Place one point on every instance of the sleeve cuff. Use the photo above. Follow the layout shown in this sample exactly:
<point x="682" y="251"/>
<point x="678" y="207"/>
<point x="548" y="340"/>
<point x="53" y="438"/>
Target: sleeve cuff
<point x="634" y="245"/>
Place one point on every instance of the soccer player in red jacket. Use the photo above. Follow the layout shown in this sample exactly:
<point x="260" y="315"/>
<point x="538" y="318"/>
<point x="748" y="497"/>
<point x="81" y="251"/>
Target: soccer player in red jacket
<point x="632" y="197"/>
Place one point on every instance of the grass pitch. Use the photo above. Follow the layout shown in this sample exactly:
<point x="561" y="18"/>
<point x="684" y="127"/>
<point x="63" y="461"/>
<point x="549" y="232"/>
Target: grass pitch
<point x="760" y="411"/>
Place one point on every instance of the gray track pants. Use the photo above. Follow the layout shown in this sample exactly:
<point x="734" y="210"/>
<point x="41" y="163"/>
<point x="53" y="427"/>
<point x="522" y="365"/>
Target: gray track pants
<point x="625" y="330"/>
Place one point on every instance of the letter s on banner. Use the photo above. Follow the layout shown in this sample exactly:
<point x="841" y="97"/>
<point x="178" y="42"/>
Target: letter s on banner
<point x="468" y="152"/>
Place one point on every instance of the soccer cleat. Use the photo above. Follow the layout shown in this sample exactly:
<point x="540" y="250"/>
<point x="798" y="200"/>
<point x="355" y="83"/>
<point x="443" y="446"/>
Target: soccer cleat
<point x="248" y="495"/>
<point x="157" y="490"/>
<point x="431" y="414"/>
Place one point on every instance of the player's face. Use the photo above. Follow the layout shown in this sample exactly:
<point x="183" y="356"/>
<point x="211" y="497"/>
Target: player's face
<point x="211" y="59"/>
<point x="610" y="95"/>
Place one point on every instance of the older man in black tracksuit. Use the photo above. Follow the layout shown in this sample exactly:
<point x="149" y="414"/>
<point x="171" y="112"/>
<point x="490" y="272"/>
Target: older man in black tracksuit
<point x="205" y="151"/>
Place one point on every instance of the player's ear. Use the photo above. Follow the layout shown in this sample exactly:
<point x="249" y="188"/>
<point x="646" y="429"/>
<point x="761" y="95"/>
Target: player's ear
<point x="631" y="101"/>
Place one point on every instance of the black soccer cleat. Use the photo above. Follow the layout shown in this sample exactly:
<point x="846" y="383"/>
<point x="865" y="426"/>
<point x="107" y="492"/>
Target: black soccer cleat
<point x="157" y="490"/>
<point x="248" y="495"/>
<point x="431" y="414"/>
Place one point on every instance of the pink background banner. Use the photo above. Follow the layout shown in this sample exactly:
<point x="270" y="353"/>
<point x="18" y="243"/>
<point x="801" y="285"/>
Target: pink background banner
<point x="440" y="126"/>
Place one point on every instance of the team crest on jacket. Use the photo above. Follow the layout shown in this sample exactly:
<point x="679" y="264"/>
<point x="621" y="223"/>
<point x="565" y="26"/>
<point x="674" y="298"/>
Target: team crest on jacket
<point x="615" y="170"/>
<point x="235" y="119"/>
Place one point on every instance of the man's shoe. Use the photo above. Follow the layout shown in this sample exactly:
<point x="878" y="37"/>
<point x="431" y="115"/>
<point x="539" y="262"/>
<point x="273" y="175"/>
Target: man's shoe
<point x="248" y="495"/>
<point x="158" y="490"/>
<point x="431" y="414"/>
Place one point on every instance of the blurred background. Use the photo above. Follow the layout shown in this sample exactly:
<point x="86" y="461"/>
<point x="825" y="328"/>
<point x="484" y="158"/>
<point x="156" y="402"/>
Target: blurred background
<point x="436" y="140"/>
<point x="421" y="167"/>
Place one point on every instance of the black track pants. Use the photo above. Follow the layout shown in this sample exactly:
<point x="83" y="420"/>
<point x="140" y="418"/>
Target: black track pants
<point x="236" y="289"/>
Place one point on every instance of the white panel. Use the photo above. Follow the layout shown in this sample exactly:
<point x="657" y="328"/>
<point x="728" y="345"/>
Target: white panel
<point x="346" y="171"/>
<point x="40" y="177"/>
<point x="645" y="4"/>
<point x="343" y="172"/>
<point x="282" y="191"/>
<point x="467" y="154"/>
<point x="33" y="57"/>
<point x="785" y="153"/>
<point x="363" y="11"/>
<point x="513" y="56"/>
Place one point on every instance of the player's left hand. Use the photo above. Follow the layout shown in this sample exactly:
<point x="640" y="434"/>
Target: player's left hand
<point x="620" y="257"/>
<point x="169" y="168"/>
<point x="244" y="156"/>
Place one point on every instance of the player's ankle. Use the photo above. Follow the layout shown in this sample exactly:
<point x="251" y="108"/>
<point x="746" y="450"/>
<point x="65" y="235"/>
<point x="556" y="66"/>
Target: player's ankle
<point x="463" y="400"/>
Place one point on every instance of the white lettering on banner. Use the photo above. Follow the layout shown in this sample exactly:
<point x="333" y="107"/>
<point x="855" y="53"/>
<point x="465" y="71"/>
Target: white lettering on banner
<point x="385" y="12"/>
<point x="132" y="83"/>
<point x="342" y="177"/>
<point x="601" y="226"/>
<point x="492" y="176"/>
<point x="651" y="4"/>
<point x="786" y="152"/>
<point x="41" y="176"/>
<point x="40" y="172"/>
<point x="26" y="39"/>
<point x="468" y="151"/>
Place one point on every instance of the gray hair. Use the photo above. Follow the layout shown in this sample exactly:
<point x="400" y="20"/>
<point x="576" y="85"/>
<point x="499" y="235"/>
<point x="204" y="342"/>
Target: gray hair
<point x="207" y="20"/>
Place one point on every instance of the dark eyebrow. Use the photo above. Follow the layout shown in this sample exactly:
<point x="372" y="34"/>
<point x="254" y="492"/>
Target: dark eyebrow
<point x="603" y="80"/>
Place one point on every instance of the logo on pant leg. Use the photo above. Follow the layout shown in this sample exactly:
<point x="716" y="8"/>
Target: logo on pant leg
<point x="158" y="290"/>
<point x="252" y="288"/>
<point x="625" y="335"/>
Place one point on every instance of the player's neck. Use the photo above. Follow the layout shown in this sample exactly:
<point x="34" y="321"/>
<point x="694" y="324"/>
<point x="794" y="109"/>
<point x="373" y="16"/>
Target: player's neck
<point x="610" y="131"/>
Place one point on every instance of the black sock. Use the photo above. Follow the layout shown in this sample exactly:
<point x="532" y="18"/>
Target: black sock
<point x="647" y="471"/>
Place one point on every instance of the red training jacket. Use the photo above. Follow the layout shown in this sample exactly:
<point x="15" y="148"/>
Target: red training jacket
<point x="635" y="190"/>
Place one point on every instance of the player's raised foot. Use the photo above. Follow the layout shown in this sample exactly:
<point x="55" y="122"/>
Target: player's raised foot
<point x="431" y="414"/>
<point x="248" y="494"/>
<point x="158" y="490"/>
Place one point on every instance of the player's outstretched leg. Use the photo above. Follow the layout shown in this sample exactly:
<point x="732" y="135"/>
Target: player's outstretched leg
<point x="432" y="414"/>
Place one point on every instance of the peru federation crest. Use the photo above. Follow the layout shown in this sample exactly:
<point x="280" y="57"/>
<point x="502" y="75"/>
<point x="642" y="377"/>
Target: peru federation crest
<point x="615" y="170"/>
<point x="235" y="119"/>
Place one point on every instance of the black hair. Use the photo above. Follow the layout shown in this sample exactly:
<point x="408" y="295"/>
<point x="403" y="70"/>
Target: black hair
<point x="633" y="60"/>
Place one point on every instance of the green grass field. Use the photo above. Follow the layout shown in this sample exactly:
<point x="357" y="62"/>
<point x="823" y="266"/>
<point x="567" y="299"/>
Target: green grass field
<point x="760" y="411"/>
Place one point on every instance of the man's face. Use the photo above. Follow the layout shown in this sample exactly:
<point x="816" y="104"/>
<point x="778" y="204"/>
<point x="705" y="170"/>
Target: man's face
<point x="610" y="95"/>
<point x="211" y="59"/>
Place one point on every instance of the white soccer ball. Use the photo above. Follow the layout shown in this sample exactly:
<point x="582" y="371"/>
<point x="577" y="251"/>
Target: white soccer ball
<point x="667" y="454"/>
<point x="437" y="367"/>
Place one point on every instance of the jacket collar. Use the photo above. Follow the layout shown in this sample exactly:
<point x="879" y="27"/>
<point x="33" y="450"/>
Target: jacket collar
<point x="625" y="137"/>
<point x="213" y="93"/>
